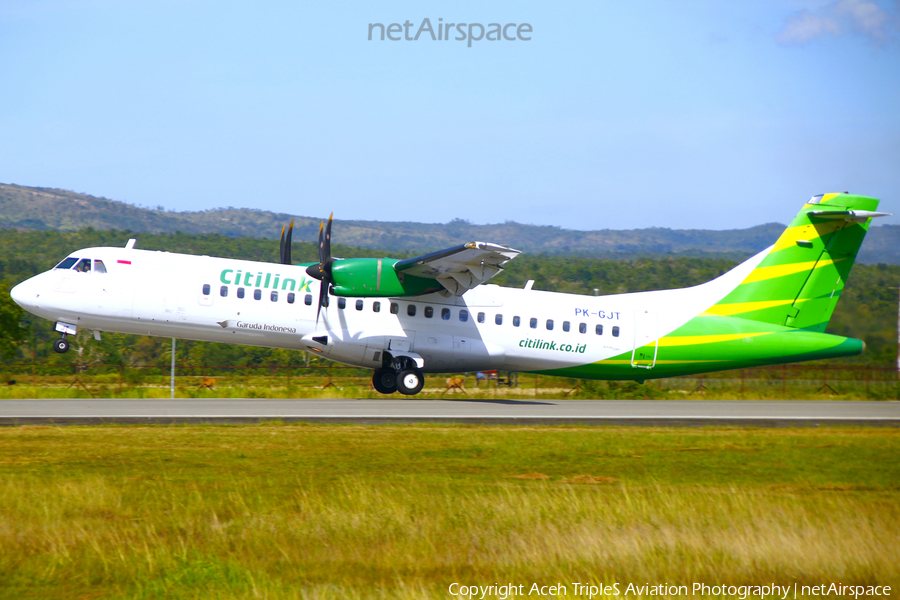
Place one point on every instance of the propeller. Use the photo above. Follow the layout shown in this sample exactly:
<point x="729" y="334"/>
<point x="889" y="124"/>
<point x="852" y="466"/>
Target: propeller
<point x="322" y="270"/>
<point x="285" y="251"/>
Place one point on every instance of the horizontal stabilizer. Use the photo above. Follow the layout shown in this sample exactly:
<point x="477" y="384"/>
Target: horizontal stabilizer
<point x="855" y="216"/>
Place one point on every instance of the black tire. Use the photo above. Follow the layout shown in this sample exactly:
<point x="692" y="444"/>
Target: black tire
<point x="61" y="346"/>
<point x="384" y="381"/>
<point x="410" y="382"/>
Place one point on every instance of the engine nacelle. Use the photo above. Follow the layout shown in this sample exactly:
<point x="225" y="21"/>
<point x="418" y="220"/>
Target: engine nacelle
<point x="376" y="278"/>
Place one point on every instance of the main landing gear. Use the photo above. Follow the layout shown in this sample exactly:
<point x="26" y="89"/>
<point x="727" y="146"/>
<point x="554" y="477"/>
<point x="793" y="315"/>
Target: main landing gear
<point x="408" y="381"/>
<point x="384" y="381"/>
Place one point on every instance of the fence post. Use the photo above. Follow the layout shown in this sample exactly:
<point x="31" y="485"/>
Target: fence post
<point x="172" y="375"/>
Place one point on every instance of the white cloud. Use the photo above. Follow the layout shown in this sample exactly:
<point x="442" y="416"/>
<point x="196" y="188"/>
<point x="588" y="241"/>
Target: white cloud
<point x="862" y="17"/>
<point x="866" y="17"/>
<point x="806" y="26"/>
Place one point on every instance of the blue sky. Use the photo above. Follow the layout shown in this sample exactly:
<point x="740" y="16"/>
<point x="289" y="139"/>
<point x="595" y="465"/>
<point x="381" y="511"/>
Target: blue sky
<point x="614" y="115"/>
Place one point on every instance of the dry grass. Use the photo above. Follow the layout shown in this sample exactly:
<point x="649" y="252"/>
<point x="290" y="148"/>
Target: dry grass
<point x="356" y="512"/>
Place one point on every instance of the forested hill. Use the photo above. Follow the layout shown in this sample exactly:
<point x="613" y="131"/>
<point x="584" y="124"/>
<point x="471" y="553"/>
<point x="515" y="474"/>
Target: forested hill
<point x="28" y="208"/>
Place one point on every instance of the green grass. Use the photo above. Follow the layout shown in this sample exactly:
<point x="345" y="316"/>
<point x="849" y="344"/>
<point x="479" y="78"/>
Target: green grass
<point x="303" y="511"/>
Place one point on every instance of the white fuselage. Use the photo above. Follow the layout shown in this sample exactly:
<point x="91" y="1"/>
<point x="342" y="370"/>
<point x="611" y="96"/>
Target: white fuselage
<point x="489" y="327"/>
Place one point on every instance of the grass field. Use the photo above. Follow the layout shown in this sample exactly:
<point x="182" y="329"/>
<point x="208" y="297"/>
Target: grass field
<point x="310" y="511"/>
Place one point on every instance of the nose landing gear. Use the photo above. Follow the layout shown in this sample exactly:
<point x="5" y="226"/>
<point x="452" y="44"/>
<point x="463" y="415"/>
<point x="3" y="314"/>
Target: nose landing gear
<point x="61" y="345"/>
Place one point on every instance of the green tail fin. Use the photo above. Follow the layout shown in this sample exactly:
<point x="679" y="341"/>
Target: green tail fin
<point x="798" y="283"/>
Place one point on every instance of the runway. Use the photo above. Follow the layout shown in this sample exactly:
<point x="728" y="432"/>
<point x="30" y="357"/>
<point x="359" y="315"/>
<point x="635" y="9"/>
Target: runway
<point x="755" y="413"/>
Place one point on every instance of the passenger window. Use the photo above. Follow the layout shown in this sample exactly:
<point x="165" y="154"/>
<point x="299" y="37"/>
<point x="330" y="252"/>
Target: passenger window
<point x="359" y="305"/>
<point x="273" y="296"/>
<point x="291" y="297"/>
<point x="84" y="266"/>
<point x="206" y="289"/>
<point x="533" y="323"/>
<point x="223" y="291"/>
<point x="463" y="315"/>
<point x="395" y="308"/>
<point x="582" y="328"/>
<point x="565" y="326"/>
<point x="498" y="319"/>
<point x="616" y="331"/>
<point x="342" y="303"/>
<point x="99" y="267"/>
<point x="307" y="300"/>
<point x="549" y="324"/>
<point x="516" y="321"/>
<point x="376" y="306"/>
<point x="429" y="312"/>
<point x="599" y="329"/>
<point x="257" y="294"/>
<point x="240" y="292"/>
<point x="411" y="310"/>
<point x="66" y="263"/>
<point x="445" y="314"/>
<point x="481" y="317"/>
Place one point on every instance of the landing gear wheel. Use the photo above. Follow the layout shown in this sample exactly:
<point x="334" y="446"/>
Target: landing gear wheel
<point x="410" y="382"/>
<point x="384" y="381"/>
<point x="61" y="345"/>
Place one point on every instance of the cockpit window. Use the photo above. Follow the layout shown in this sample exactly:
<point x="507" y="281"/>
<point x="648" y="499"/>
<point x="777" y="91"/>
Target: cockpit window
<point x="66" y="263"/>
<point x="99" y="267"/>
<point x="84" y="265"/>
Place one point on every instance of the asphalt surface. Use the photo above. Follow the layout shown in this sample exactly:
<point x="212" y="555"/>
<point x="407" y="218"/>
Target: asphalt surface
<point x="454" y="410"/>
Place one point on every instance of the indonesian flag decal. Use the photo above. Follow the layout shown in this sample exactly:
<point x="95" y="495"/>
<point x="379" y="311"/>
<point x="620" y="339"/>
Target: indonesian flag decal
<point x="123" y="262"/>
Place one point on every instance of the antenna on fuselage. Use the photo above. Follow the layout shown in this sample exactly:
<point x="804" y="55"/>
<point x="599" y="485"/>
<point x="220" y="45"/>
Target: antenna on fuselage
<point x="130" y="244"/>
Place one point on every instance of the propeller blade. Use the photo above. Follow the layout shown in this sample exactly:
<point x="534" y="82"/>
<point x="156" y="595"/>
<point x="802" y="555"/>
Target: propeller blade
<point x="286" y="249"/>
<point x="281" y="247"/>
<point x="323" y="297"/>
<point x="321" y="241"/>
<point x="327" y="248"/>
<point x="322" y="271"/>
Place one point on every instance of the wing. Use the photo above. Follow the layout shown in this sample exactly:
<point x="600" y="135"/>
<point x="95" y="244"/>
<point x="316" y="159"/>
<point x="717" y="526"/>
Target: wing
<point x="461" y="268"/>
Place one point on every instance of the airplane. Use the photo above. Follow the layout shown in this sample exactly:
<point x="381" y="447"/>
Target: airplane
<point x="436" y="313"/>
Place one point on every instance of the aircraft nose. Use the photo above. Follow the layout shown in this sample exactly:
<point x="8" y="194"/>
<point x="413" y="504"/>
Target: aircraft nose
<point x="16" y="294"/>
<point x="22" y="293"/>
